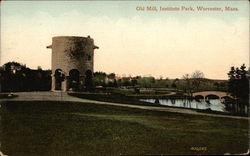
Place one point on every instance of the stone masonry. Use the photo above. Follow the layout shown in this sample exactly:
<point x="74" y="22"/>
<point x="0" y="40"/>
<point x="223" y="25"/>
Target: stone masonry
<point x="72" y="58"/>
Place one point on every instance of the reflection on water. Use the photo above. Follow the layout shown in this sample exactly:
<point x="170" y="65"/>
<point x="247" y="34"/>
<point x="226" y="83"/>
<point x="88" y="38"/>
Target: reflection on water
<point x="213" y="104"/>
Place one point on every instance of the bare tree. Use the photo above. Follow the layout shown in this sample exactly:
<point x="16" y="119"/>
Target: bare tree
<point x="192" y="82"/>
<point x="188" y="87"/>
<point x="197" y="78"/>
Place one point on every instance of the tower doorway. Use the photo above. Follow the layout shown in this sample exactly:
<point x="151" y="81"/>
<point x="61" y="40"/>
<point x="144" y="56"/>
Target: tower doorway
<point x="74" y="75"/>
<point x="59" y="77"/>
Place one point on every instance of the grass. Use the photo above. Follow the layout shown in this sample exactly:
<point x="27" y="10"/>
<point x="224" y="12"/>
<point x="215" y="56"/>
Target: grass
<point x="53" y="128"/>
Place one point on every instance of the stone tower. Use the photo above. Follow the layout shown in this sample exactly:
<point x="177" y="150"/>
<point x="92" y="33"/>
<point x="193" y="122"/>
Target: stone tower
<point x="72" y="62"/>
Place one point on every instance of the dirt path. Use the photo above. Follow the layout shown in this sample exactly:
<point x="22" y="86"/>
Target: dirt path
<point x="62" y="96"/>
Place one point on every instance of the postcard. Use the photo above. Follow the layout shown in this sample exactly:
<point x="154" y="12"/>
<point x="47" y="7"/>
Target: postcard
<point x="127" y="78"/>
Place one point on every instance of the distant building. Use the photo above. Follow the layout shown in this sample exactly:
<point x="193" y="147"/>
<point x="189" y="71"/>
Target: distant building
<point x="72" y="62"/>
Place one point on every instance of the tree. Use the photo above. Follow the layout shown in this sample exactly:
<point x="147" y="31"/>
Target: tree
<point x="99" y="78"/>
<point x="115" y="84"/>
<point x="197" y="78"/>
<point x="188" y="87"/>
<point x="146" y="82"/>
<point x="216" y="84"/>
<point x="89" y="81"/>
<point x="192" y="82"/>
<point x="126" y="82"/>
<point x="134" y="82"/>
<point x="238" y="86"/>
<point x="39" y="68"/>
<point x="111" y="76"/>
<point x="173" y="85"/>
<point x="17" y="77"/>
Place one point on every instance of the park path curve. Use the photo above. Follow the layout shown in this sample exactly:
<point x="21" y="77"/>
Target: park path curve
<point x="63" y="96"/>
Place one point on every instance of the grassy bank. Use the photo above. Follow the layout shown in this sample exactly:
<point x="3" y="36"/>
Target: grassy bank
<point x="112" y="97"/>
<point x="52" y="128"/>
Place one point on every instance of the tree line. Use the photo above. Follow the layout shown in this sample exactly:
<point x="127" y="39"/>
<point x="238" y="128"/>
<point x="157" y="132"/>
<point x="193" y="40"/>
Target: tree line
<point x="16" y="77"/>
<point x="238" y="87"/>
<point x="195" y="81"/>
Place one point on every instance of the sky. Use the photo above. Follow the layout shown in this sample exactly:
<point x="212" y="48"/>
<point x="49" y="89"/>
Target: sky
<point x="131" y="41"/>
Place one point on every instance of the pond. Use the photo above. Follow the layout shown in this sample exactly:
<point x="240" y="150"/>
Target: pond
<point x="213" y="104"/>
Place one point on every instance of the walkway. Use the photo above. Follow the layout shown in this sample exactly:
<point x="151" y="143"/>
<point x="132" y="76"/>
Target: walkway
<point x="62" y="96"/>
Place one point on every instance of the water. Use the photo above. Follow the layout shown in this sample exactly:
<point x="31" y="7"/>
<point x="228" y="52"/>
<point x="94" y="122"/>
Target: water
<point x="214" y="104"/>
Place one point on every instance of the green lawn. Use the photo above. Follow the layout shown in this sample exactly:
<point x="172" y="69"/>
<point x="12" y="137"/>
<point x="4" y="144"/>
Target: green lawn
<point x="51" y="128"/>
